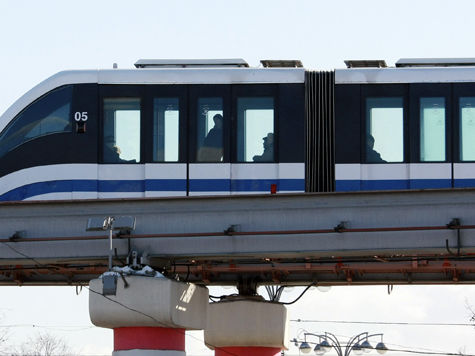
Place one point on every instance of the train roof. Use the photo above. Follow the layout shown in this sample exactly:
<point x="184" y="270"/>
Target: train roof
<point x="190" y="63"/>
<point x="407" y="70"/>
<point x="236" y="71"/>
<point x="402" y="75"/>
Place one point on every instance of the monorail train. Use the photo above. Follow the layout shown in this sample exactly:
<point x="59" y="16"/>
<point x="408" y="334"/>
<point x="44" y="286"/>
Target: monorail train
<point x="178" y="128"/>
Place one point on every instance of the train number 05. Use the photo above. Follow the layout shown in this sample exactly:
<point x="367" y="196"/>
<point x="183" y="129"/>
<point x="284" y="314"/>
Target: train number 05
<point x="80" y="116"/>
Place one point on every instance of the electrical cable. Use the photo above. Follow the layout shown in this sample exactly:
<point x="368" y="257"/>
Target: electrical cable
<point x="424" y="352"/>
<point x="295" y="320"/>
<point x="216" y="299"/>
<point x="430" y="352"/>
<point x="413" y="348"/>
<point x="300" y="296"/>
<point x="405" y="349"/>
<point x="132" y="309"/>
<point x="54" y="327"/>
<point x="158" y="322"/>
<point x="380" y="322"/>
<point x="28" y="257"/>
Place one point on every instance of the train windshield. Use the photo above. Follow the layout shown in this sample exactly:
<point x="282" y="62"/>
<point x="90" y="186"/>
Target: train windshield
<point x="48" y="115"/>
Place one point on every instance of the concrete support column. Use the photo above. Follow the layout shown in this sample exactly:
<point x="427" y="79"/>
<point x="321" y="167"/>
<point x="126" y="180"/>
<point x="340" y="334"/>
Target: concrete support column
<point x="132" y="341"/>
<point x="246" y="327"/>
<point x="149" y="315"/>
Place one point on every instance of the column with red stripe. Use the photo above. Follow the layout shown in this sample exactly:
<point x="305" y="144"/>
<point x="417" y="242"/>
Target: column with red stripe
<point x="244" y="326"/>
<point x="149" y="315"/>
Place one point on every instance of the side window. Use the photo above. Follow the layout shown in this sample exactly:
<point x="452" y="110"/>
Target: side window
<point x="467" y="128"/>
<point x="166" y="123"/>
<point x="121" y="130"/>
<point x="49" y="114"/>
<point x="255" y="129"/>
<point x="384" y="130"/>
<point x="209" y="124"/>
<point x="432" y="129"/>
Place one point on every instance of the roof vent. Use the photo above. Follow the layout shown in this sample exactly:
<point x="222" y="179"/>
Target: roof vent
<point x="190" y="63"/>
<point x="365" y="63"/>
<point x="281" y="63"/>
<point x="436" y="62"/>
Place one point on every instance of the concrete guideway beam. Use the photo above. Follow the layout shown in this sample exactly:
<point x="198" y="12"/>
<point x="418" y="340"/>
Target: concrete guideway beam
<point x="149" y="315"/>
<point x="179" y="226"/>
<point x="201" y="237"/>
<point x="246" y="327"/>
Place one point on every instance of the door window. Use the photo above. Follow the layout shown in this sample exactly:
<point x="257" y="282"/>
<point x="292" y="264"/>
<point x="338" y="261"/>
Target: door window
<point x="432" y="129"/>
<point x="384" y="130"/>
<point x="121" y="130"/>
<point x="210" y="126"/>
<point x="467" y="128"/>
<point x="255" y="136"/>
<point x="166" y="124"/>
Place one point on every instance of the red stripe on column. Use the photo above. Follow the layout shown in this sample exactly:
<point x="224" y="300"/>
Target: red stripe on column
<point x="247" y="351"/>
<point x="149" y="338"/>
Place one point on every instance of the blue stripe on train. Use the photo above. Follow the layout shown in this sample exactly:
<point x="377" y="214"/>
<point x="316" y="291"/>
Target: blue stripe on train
<point x="392" y="184"/>
<point x="218" y="185"/>
<point x="245" y="185"/>
<point x="264" y="185"/>
<point x="464" y="183"/>
<point x="56" y="186"/>
<point x="156" y="185"/>
<point x="210" y="185"/>
<point x="165" y="185"/>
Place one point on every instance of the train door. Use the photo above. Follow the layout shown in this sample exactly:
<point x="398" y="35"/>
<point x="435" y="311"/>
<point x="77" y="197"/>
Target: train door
<point x="121" y="171"/>
<point x="255" y="167"/>
<point x="209" y="137"/>
<point x="463" y="133"/>
<point x="166" y="141"/>
<point x="431" y="151"/>
<point x="385" y="138"/>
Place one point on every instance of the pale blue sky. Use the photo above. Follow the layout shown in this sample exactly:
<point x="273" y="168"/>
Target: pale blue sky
<point x="40" y="38"/>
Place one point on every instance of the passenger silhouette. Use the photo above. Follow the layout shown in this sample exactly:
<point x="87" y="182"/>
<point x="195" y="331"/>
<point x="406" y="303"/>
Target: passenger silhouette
<point x="268" y="154"/>
<point x="372" y="156"/>
<point x="111" y="151"/>
<point x="212" y="149"/>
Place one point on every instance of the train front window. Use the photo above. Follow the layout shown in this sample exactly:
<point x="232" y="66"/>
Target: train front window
<point x="255" y="136"/>
<point x="48" y="115"/>
<point x="432" y="129"/>
<point x="166" y="123"/>
<point x="121" y="130"/>
<point x="467" y="128"/>
<point x="384" y="130"/>
<point x="210" y="123"/>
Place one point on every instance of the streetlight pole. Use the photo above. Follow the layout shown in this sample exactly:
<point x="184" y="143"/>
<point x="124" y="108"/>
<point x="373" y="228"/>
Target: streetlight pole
<point x="358" y="343"/>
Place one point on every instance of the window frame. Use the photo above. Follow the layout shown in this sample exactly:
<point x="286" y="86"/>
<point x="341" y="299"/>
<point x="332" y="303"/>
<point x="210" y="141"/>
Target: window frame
<point x="384" y="91"/>
<point x="433" y="90"/>
<point x="460" y="90"/>
<point x="156" y="101"/>
<point x="114" y="91"/>
<point x="165" y="91"/>
<point x="255" y="90"/>
<point x="208" y="91"/>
